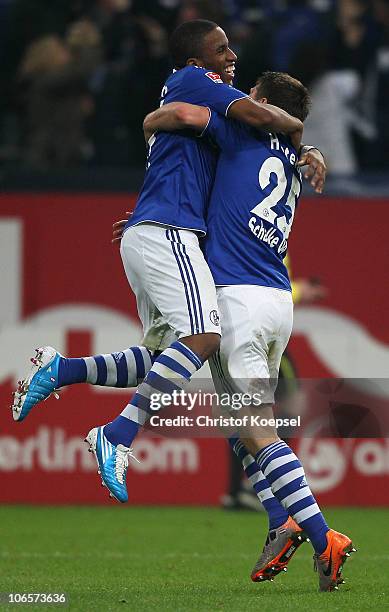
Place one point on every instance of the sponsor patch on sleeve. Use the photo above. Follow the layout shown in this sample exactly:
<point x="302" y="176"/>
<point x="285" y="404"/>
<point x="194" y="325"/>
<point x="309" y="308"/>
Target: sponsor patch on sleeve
<point x="214" y="76"/>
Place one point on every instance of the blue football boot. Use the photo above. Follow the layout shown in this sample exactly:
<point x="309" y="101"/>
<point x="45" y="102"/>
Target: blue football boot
<point x="112" y="462"/>
<point x="40" y="383"/>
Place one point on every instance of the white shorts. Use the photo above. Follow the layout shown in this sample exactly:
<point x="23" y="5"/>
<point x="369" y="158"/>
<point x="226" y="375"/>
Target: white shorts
<point x="256" y="326"/>
<point x="174" y="288"/>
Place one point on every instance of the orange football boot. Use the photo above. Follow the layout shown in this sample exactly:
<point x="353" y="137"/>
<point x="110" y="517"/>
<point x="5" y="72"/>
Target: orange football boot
<point x="330" y="563"/>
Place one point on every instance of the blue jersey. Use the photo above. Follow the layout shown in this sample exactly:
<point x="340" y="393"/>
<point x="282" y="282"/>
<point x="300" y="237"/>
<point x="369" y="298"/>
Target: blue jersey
<point x="180" y="165"/>
<point x="252" y="205"/>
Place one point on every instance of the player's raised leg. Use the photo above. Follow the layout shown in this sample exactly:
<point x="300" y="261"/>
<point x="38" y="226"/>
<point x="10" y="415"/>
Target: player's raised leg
<point x="167" y="271"/>
<point x="112" y="443"/>
<point x="51" y="371"/>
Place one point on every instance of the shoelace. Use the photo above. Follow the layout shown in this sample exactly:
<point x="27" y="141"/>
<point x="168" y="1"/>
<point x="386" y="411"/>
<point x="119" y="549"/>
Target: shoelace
<point x="37" y="361"/>
<point x="24" y="386"/>
<point x="121" y="463"/>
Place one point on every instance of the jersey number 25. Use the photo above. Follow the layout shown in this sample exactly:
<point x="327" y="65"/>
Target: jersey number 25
<point x="264" y="210"/>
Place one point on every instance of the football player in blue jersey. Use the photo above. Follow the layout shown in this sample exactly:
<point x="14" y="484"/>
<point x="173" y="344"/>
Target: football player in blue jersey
<point x="160" y="248"/>
<point x="250" y="216"/>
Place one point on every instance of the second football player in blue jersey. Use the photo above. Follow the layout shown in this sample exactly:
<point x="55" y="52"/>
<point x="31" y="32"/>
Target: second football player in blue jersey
<point x="250" y="216"/>
<point x="252" y="205"/>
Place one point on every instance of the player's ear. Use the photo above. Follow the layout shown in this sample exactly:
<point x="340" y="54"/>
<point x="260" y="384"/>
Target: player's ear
<point x="262" y="100"/>
<point x="194" y="61"/>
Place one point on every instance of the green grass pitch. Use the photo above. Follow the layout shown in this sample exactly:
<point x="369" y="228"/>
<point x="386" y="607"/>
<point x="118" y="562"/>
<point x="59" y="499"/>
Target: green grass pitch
<point x="126" y="558"/>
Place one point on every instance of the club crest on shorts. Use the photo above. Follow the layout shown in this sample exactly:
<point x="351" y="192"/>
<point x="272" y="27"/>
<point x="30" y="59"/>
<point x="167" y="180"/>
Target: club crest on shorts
<point x="214" y="316"/>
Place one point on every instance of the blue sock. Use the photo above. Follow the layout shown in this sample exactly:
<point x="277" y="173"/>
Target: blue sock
<point x="276" y="513"/>
<point x="124" y="369"/>
<point x="286" y="476"/>
<point x="121" y="428"/>
<point x="71" y="371"/>
<point x="170" y="372"/>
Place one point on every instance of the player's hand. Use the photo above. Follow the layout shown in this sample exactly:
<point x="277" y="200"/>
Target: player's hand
<point x="309" y="290"/>
<point x="118" y="227"/>
<point x="316" y="170"/>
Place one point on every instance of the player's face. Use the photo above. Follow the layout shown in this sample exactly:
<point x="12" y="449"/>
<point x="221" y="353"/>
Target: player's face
<point x="217" y="56"/>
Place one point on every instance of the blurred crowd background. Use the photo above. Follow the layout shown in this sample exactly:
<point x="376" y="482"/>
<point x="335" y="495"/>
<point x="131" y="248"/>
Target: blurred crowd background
<point x="78" y="76"/>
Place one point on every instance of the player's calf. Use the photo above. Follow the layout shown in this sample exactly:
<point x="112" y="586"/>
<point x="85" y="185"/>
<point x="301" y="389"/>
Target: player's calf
<point x="171" y="371"/>
<point x="287" y="479"/>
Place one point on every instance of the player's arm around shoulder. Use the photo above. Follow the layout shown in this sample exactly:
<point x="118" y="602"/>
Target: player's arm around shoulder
<point x="267" y="117"/>
<point x="176" y="116"/>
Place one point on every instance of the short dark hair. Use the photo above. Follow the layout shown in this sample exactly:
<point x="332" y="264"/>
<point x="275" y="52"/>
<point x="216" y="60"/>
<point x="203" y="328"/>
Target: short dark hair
<point x="187" y="40"/>
<point x="286" y="92"/>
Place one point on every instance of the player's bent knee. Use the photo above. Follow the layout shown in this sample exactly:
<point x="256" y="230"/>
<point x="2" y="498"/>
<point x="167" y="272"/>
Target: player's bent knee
<point x="255" y="444"/>
<point x="204" y="345"/>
